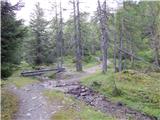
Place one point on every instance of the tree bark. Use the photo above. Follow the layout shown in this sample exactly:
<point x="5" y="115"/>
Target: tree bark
<point x="77" y="36"/>
<point x="115" y="47"/>
<point x="121" y="47"/>
<point x="104" y="34"/>
<point x="61" y="38"/>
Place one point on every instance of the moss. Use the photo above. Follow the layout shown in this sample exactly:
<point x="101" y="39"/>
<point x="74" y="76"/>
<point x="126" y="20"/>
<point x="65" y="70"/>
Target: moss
<point x="9" y="105"/>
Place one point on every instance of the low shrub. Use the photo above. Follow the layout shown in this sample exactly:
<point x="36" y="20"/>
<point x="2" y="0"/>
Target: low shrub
<point x="6" y="70"/>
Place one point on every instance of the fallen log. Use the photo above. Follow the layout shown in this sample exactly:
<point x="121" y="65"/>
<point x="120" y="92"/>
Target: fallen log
<point x="42" y="71"/>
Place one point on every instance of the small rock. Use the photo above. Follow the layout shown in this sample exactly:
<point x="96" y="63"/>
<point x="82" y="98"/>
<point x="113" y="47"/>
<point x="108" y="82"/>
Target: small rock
<point x="40" y="105"/>
<point x="83" y="94"/>
<point x="119" y="104"/>
<point x="82" y="87"/>
<point x="28" y="114"/>
<point x="33" y="98"/>
<point x="53" y="112"/>
<point x="83" y="90"/>
<point x="92" y="103"/>
<point x="30" y="110"/>
<point x="26" y="89"/>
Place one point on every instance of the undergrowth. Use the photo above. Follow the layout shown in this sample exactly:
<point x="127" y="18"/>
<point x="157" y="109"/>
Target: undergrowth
<point x="137" y="90"/>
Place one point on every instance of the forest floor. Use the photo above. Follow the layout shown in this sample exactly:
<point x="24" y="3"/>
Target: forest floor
<point x="64" y="98"/>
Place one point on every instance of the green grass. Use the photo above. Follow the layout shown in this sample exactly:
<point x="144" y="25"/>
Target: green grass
<point x="69" y="62"/>
<point x="91" y="64"/>
<point x="138" y="90"/>
<point x="20" y="81"/>
<point x="9" y="105"/>
<point x="73" y="109"/>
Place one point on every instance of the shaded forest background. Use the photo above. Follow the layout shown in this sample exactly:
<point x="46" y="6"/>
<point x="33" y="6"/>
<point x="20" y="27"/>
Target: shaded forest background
<point x="129" y="37"/>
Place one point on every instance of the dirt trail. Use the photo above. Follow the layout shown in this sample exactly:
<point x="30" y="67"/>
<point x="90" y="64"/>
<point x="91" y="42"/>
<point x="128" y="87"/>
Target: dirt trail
<point x="33" y="105"/>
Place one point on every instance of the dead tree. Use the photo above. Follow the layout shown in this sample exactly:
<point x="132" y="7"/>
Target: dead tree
<point x="120" y="46"/>
<point x="115" y="44"/>
<point x="102" y="14"/>
<point x="59" y="36"/>
<point x="61" y="41"/>
<point x="56" y="28"/>
<point x="77" y="35"/>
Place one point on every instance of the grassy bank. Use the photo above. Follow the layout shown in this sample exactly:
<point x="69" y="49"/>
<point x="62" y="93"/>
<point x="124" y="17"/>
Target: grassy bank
<point x="73" y="109"/>
<point x="137" y="90"/>
<point x="20" y="81"/>
<point x="9" y="105"/>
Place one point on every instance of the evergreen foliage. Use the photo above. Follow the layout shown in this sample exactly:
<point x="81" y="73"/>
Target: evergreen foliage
<point x="40" y="42"/>
<point x="12" y="34"/>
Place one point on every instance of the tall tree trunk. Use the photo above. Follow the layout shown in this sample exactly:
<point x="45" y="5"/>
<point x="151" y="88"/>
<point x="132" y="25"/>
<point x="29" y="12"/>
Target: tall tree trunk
<point x="156" y="52"/>
<point x="104" y="34"/>
<point x="115" y="47"/>
<point x="61" y="38"/>
<point x="57" y="36"/>
<point x="77" y="36"/>
<point x="38" y="60"/>
<point x="79" y="49"/>
<point x="120" y="46"/>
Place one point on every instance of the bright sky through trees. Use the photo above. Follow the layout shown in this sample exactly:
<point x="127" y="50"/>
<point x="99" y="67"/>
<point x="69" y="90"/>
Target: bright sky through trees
<point x="85" y="5"/>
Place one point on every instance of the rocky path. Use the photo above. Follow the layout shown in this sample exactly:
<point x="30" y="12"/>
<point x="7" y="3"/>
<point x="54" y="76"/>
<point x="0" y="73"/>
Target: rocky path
<point x="118" y="110"/>
<point x="33" y="105"/>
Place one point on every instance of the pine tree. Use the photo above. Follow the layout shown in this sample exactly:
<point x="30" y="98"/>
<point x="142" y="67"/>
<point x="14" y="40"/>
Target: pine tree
<point x="39" y="30"/>
<point x="12" y="33"/>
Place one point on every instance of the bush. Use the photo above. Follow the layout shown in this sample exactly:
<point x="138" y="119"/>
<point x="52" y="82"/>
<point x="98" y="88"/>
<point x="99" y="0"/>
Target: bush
<point x="6" y="70"/>
<point x="147" y="55"/>
<point x="96" y="84"/>
<point x="89" y="59"/>
<point x="116" y="92"/>
<point x="24" y="64"/>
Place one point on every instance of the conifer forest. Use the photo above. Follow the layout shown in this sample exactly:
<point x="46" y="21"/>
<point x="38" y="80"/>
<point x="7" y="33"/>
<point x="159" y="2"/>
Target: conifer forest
<point x="80" y="60"/>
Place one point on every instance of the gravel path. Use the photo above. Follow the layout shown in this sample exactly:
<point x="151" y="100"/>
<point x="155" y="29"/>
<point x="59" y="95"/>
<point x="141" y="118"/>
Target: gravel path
<point x="33" y="105"/>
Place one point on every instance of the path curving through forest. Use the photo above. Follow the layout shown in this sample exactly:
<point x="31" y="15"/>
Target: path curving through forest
<point x="73" y="87"/>
<point x="34" y="106"/>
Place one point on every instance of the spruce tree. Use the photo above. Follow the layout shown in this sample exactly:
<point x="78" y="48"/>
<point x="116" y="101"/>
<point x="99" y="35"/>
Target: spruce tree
<point x="38" y="28"/>
<point x="12" y="33"/>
